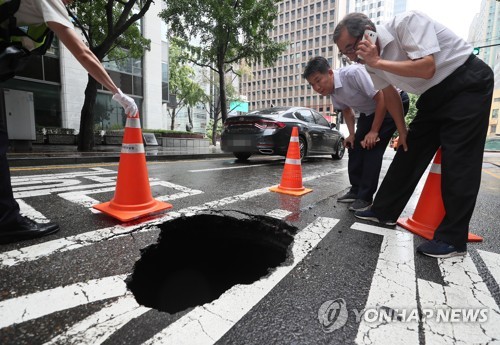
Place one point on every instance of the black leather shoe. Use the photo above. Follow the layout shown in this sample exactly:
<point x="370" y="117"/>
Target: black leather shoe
<point x="25" y="229"/>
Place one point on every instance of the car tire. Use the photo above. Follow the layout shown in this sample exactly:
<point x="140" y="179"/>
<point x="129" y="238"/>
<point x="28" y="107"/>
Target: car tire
<point x="242" y="156"/>
<point x="340" y="150"/>
<point x="302" y="147"/>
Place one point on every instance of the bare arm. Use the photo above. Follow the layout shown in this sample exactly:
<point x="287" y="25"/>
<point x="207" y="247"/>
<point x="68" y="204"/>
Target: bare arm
<point x="82" y="53"/>
<point x="395" y="107"/>
<point x="370" y="139"/>
<point x="349" y="120"/>
<point x="419" y="68"/>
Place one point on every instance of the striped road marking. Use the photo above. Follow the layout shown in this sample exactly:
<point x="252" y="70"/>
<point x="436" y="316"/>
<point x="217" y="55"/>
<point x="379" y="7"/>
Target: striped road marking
<point x="492" y="261"/>
<point x="37" y="251"/>
<point x="463" y="288"/>
<point x="208" y="323"/>
<point x="393" y="286"/>
<point x="38" y="304"/>
<point x="98" y="327"/>
<point x="229" y="168"/>
<point x="82" y="198"/>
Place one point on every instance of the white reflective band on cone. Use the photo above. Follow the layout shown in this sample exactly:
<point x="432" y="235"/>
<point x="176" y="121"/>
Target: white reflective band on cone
<point x="133" y="122"/>
<point x="292" y="161"/>
<point x="436" y="168"/>
<point x="294" y="139"/>
<point x="132" y="148"/>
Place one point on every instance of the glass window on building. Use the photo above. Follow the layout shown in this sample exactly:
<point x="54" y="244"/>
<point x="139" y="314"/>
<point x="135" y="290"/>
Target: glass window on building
<point x="109" y="114"/>
<point x="46" y="100"/>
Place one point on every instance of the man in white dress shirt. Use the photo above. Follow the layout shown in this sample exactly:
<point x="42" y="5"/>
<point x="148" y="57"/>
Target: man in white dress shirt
<point x="419" y="55"/>
<point x="351" y="89"/>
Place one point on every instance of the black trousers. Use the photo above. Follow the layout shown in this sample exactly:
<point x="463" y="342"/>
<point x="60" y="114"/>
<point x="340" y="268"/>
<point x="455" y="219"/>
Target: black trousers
<point x="9" y="209"/>
<point x="454" y="115"/>
<point x="364" y="165"/>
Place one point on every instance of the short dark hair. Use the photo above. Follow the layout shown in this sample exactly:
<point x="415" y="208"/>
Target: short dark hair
<point x="356" y="23"/>
<point x="316" y="64"/>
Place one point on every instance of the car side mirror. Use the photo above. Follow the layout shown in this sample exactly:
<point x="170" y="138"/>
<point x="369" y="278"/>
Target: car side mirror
<point x="333" y="125"/>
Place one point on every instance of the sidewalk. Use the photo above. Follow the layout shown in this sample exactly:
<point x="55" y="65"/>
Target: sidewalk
<point x="68" y="154"/>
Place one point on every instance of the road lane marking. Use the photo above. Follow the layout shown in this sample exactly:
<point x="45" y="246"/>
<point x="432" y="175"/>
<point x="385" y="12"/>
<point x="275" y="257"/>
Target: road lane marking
<point x="28" y="211"/>
<point x="463" y="289"/>
<point x="98" y="327"/>
<point x="92" y="165"/>
<point x="82" y="197"/>
<point x="41" y="303"/>
<point x="206" y="324"/>
<point x="37" y="251"/>
<point x="55" y="167"/>
<point x="41" y="177"/>
<point x="492" y="261"/>
<point x="393" y="286"/>
<point x="492" y="174"/>
<point x="229" y="168"/>
<point x="279" y="214"/>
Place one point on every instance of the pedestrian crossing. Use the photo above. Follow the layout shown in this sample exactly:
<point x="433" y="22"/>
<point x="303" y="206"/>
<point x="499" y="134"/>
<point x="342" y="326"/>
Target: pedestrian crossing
<point x="395" y="284"/>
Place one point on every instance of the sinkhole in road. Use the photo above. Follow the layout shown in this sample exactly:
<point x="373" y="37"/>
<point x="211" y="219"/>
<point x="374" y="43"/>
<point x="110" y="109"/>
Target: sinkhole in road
<point x="196" y="259"/>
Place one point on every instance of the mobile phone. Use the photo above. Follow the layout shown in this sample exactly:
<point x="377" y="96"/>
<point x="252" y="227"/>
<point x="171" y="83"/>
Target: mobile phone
<point x="372" y="37"/>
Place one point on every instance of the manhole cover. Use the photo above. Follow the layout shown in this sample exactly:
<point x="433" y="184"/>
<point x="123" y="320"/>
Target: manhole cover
<point x="198" y="258"/>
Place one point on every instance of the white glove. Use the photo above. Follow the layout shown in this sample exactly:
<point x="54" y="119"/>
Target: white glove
<point x="126" y="102"/>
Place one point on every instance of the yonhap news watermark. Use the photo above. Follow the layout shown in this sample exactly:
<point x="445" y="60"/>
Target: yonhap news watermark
<point x="333" y="315"/>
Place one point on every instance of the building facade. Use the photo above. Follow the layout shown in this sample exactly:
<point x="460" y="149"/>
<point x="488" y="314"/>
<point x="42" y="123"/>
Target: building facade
<point x="308" y="25"/>
<point x="484" y="34"/>
<point x="57" y="82"/>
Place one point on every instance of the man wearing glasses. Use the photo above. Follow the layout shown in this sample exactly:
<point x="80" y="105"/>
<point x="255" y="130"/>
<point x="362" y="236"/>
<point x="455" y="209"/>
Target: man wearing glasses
<point x="351" y="89"/>
<point x="421" y="56"/>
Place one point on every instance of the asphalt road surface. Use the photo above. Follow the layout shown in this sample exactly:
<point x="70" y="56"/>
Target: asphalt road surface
<point x="233" y="263"/>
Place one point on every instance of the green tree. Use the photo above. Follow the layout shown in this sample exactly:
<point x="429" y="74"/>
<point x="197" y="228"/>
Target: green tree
<point x="219" y="34"/>
<point x="412" y="111"/>
<point x="187" y="92"/>
<point x="112" y="30"/>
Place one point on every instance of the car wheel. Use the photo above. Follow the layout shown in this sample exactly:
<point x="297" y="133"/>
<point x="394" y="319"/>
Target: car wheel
<point x="302" y="147"/>
<point x="340" y="150"/>
<point x="242" y="156"/>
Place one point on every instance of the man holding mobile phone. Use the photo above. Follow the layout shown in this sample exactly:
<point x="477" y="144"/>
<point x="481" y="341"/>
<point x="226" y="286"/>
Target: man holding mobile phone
<point x="351" y="89"/>
<point x="421" y="56"/>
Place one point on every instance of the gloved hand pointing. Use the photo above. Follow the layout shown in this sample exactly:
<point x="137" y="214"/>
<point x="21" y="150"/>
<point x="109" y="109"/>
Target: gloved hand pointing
<point x="126" y="102"/>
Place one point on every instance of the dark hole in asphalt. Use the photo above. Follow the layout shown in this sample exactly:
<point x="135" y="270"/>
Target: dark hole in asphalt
<point x="198" y="258"/>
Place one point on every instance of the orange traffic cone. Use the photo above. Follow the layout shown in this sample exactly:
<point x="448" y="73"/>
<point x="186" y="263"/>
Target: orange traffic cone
<point x="133" y="197"/>
<point x="430" y="209"/>
<point x="291" y="180"/>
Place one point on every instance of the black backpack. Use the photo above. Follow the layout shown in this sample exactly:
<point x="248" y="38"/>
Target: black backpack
<point x="13" y="56"/>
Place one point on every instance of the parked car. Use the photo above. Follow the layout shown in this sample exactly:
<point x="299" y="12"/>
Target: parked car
<point x="268" y="132"/>
<point x="492" y="144"/>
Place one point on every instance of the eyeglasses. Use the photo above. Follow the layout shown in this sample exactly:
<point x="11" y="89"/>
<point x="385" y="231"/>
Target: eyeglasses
<point x="352" y="48"/>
